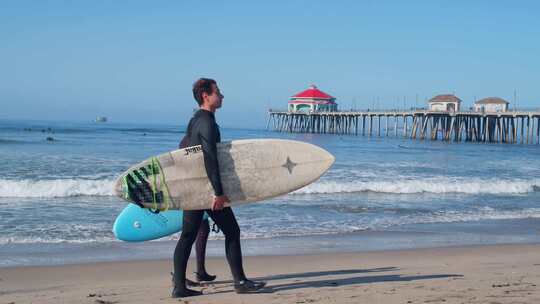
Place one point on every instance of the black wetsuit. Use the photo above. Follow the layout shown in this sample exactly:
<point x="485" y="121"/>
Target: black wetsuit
<point x="203" y="130"/>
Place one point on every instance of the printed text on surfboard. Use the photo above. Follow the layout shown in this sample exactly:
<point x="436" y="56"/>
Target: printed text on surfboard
<point x="192" y="150"/>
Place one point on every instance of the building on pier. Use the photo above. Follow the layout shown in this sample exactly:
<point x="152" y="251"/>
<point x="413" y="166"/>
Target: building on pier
<point x="491" y="105"/>
<point x="444" y="103"/>
<point x="312" y="100"/>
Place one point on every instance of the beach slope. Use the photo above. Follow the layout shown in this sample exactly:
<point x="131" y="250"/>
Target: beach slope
<point x="476" y="274"/>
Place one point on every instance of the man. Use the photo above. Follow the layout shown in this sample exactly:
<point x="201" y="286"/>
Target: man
<point x="203" y="130"/>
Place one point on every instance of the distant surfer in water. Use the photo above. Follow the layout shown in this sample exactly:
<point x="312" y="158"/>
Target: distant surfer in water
<point x="203" y="130"/>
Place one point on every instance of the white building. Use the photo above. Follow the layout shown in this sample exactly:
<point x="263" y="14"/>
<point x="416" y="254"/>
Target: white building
<point x="312" y="100"/>
<point x="444" y="103"/>
<point x="491" y="105"/>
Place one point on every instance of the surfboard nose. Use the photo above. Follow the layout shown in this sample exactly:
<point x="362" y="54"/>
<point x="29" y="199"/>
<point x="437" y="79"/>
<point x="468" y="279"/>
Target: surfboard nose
<point x="331" y="158"/>
<point x="313" y="160"/>
<point x="326" y="158"/>
<point x="326" y="155"/>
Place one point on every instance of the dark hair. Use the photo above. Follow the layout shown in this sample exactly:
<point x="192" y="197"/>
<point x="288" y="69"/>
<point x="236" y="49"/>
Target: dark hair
<point x="202" y="85"/>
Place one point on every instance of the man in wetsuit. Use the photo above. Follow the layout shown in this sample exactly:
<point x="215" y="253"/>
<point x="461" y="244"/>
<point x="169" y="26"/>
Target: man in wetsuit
<point x="203" y="130"/>
<point x="201" y="275"/>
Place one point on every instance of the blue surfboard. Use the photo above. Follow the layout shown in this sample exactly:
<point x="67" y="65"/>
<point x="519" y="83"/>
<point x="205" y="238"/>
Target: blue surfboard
<point x="136" y="224"/>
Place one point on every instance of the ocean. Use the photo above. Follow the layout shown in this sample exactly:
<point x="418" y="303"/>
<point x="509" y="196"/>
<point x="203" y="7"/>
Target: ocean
<point x="382" y="193"/>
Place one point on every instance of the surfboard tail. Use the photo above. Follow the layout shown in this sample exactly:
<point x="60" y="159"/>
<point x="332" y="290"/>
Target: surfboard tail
<point x="145" y="185"/>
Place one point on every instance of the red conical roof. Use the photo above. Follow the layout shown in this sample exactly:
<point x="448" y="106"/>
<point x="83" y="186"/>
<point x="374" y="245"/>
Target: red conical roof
<point x="312" y="92"/>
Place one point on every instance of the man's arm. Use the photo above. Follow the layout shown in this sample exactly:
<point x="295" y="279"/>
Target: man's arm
<point x="208" y="136"/>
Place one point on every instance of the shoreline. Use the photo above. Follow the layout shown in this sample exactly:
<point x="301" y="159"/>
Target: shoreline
<point x="263" y="256"/>
<point x="464" y="274"/>
<point x="411" y="237"/>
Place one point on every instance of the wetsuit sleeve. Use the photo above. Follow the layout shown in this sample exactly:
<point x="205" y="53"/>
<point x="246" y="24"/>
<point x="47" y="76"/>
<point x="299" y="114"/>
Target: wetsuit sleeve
<point x="208" y="134"/>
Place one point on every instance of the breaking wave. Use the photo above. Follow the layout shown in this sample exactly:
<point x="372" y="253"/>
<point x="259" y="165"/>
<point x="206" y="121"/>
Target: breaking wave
<point x="436" y="185"/>
<point x="55" y="188"/>
<point x="104" y="187"/>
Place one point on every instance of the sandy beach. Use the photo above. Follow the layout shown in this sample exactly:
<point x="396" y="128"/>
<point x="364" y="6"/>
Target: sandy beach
<point x="476" y="274"/>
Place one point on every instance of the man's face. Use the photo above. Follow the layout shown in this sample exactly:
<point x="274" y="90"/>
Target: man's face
<point x="215" y="99"/>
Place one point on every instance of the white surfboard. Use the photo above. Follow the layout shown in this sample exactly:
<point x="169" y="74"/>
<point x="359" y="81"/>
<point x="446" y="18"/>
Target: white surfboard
<point x="251" y="170"/>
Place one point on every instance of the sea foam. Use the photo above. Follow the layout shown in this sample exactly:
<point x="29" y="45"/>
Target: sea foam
<point x="104" y="187"/>
<point x="55" y="188"/>
<point x="431" y="185"/>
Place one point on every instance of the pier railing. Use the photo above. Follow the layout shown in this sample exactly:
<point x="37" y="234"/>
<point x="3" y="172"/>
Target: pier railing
<point x="502" y="127"/>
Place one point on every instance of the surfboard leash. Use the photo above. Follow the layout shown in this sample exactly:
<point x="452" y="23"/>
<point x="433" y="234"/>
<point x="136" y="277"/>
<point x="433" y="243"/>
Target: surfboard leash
<point x="154" y="186"/>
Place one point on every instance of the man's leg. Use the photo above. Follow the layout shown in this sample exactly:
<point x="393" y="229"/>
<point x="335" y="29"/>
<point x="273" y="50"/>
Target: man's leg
<point x="200" y="248"/>
<point x="191" y="223"/>
<point x="226" y="221"/>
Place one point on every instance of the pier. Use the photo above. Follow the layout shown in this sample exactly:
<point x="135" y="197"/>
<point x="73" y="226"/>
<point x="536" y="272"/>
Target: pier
<point x="505" y="127"/>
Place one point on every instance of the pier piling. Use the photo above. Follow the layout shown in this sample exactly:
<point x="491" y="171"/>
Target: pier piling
<point x="506" y="127"/>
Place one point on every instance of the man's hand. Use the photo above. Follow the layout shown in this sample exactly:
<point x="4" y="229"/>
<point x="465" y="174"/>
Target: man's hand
<point x="219" y="202"/>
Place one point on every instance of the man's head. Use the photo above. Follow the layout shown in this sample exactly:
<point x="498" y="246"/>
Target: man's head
<point x="207" y="94"/>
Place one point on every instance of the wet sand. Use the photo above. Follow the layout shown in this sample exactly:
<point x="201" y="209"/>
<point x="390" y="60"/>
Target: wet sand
<point x="475" y="274"/>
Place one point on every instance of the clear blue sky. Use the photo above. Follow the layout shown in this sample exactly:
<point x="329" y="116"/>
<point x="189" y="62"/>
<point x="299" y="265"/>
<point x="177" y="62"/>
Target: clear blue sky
<point x="136" y="60"/>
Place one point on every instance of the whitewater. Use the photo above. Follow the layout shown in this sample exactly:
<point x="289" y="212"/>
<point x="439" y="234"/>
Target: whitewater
<point x="57" y="188"/>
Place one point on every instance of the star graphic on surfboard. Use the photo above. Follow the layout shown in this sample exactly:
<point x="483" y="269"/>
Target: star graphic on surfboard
<point x="289" y="165"/>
